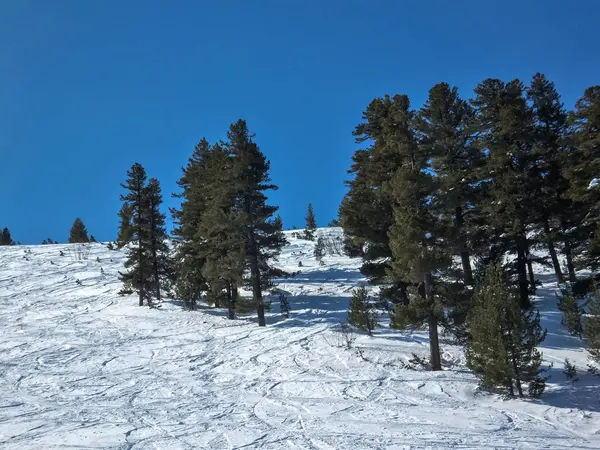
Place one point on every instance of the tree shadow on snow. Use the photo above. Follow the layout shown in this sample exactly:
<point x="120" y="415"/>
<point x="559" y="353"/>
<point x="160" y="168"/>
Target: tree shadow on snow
<point x="564" y="393"/>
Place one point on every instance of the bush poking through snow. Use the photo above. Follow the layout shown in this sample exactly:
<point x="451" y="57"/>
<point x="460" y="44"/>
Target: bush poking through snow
<point x="319" y="251"/>
<point x="363" y="313"/>
<point x="570" y="370"/>
<point x="284" y="306"/>
<point x="571" y="312"/>
<point x="347" y="336"/>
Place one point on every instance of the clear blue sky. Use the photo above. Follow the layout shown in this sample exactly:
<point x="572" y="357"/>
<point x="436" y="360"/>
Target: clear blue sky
<point x="89" y="87"/>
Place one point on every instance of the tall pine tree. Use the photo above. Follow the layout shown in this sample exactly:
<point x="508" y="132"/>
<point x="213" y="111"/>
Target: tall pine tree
<point x="263" y="238"/>
<point x="311" y="223"/>
<point x="157" y="246"/>
<point x="137" y="262"/>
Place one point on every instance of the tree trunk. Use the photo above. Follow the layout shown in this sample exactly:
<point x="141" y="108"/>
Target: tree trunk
<point x="434" y="342"/>
<point x="569" y="255"/>
<point x="255" y="276"/>
<point x="233" y="293"/>
<point x="141" y="269"/>
<point x="464" y="254"/>
<point x="552" y="250"/>
<point x="530" y="273"/>
<point x="522" y="271"/>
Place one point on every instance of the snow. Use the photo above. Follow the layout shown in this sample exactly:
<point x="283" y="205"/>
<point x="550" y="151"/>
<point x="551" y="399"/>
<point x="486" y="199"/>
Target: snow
<point x="81" y="367"/>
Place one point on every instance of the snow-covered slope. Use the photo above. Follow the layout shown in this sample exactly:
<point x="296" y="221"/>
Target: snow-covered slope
<point x="81" y="367"/>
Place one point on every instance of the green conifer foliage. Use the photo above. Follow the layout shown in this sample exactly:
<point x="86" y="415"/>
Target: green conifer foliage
<point x="311" y="223"/>
<point x="157" y="246"/>
<point x="137" y="263"/>
<point x="502" y="348"/>
<point x="571" y="311"/>
<point x="362" y="313"/>
<point x="78" y="233"/>
<point x="591" y="334"/>
<point x="319" y="250"/>
<point x="263" y="237"/>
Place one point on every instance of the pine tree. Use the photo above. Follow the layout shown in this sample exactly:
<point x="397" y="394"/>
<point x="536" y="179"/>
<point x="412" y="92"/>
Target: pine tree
<point x="502" y="348"/>
<point x="220" y="238"/>
<point x="263" y="237"/>
<point x="571" y="312"/>
<point x="591" y="334"/>
<point x="319" y="250"/>
<point x="418" y="236"/>
<point x="190" y="282"/>
<point x="125" y="226"/>
<point x="137" y="262"/>
<point x="556" y="211"/>
<point x="509" y="203"/>
<point x="5" y="238"/>
<point x="93" y="239"/>
<point x="311" y="223"/>
<point x="362" y="313"/>
<point x="78" y="233"/>
<point x="446" y="124"/>
<point x="278" y="222"/>
<point x="158" y="249"/>
<point x="583" y="174"/>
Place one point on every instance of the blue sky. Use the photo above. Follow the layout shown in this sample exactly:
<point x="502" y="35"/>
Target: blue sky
<point x="89" y="87"/>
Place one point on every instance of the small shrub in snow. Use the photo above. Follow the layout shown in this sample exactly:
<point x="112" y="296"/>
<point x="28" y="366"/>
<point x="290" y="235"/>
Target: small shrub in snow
<point x="284" y="306"/>
<point x="347" y="336"/>
<point x="362" y="312"/>
<point x="570" y="370"/>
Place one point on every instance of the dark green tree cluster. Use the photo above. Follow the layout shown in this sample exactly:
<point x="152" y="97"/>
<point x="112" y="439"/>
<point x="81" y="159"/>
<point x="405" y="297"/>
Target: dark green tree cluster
<point x="78" y="233"/>
<point x="5" y="237"/>
<point x="142" y="231"/>
<point x="225" y="231"/>
<point x="485" y="180"/>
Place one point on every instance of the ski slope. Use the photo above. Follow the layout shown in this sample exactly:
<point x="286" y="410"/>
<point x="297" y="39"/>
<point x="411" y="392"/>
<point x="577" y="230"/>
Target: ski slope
<point x="82" y="368"/>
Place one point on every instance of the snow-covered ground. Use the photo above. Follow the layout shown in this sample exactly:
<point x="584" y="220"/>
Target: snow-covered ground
<point x="81" y="367"/>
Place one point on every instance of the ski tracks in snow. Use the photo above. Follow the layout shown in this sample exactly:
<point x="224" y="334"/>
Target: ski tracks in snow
<point x="81" y="367"/>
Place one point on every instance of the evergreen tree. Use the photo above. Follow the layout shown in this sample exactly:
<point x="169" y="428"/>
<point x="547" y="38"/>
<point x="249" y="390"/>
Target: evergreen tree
<point x="93" y="239"/>
<point x="446" y="128"/>
<point x="502" y="348"/>
<point x="591" y="334"/>
<point x="279" y="222"/>
<point x="5" y="237"/>
<point x="78" y="233"/>
<point x="189" y="264"/>
<point x="366" y="213"/>
<point x="158" y="249"/>
<point x="263" y="237"/>
<point x="220" y="240"/>
<point x="137" y="262"/>
<point x="125" y="225"/>
<point x="362" y="313"/>
<point x="556" y="211"/>
<point x="571" y="312"/>
<point x="319" y="250"/>
<point x="311" y="223"/>
<point x="583" y="173"/>
<point x="418" y="236"/>
<point x="509" y="176"/>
